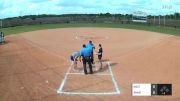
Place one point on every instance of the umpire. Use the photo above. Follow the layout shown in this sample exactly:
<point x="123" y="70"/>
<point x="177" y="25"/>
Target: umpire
<point x="86" y="54"/>
<point x="92" y="47"/>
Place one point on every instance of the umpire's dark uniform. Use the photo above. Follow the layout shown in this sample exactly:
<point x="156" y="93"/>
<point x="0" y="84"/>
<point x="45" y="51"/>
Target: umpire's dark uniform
<point x="86" y="54"/>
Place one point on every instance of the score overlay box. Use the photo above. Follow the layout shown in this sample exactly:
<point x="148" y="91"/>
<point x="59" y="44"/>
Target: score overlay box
<point x="144" y="89"/>
<point x="141" y="89"/>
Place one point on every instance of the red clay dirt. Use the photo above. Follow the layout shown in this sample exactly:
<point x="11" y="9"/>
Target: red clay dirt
<point x="33" y="64"/>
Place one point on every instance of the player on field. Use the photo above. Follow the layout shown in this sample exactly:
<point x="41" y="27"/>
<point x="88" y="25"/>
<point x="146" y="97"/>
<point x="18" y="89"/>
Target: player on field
<point x="2" y="40"/>
<point x="99" y="53"/>
<point x="75" y="56"/>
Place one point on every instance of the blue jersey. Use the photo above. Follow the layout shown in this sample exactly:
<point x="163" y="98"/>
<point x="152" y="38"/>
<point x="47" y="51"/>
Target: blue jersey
<point x="91" y="46"/>
<point x="85" y="52"/>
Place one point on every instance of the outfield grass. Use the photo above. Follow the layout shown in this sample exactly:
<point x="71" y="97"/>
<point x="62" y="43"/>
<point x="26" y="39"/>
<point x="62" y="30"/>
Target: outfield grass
<point x="21" y="29"/>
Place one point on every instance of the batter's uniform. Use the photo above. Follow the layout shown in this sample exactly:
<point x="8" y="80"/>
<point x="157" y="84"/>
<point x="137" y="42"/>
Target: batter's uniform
<point x="100" y="53"/>
<point x="91" y="47"/>
<point x="86" y="54"/>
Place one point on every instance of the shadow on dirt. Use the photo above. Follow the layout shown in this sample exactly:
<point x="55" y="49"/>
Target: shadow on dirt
<point x="105" y="67"/>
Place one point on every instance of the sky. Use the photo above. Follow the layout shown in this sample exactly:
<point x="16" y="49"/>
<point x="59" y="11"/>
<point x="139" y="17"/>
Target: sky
<point x="13" y="8"/>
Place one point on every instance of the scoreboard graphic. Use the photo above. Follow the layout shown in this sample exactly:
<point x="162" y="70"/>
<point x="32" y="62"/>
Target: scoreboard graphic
<point x="151" y="89"/>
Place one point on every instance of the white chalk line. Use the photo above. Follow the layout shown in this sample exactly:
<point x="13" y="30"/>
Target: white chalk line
<point x="84" y="74"/>
<point x="79" y="37"/>
<point x="64" y="80"/>
<point x="41" y="48"/>
<point x="89" y="93"/>
<point x="60" y="90"/>
<point x="113" y="78"/>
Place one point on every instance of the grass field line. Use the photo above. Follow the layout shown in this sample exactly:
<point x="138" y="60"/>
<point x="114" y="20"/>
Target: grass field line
<point x="28" y="28"/>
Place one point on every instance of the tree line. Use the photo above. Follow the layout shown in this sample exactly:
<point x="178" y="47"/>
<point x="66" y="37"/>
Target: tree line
<point x="175" y="16"/>
<point x="172" y="20"/>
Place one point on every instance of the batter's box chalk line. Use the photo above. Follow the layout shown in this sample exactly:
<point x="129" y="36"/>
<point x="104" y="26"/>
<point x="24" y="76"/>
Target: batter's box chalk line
<point x="98" y="71"/>
<point x="116" y="87"/>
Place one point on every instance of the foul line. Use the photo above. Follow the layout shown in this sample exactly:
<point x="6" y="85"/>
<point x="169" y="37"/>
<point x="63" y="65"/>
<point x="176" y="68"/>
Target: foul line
<point x="117" y="91"/>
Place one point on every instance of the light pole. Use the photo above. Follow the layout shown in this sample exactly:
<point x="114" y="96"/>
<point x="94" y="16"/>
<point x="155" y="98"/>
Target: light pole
<point x="175" y="15"/>
<point x="166" y="6"/>
<point x="159" y="20"/>
<point x="164" y="20"/>
<point x="154" y="19"/>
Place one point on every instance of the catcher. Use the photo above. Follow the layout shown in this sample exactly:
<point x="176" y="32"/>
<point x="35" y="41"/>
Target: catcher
<point x="75" y="56"/>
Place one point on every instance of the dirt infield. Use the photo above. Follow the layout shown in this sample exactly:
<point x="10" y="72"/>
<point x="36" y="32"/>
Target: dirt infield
<point x="34" y="64"/>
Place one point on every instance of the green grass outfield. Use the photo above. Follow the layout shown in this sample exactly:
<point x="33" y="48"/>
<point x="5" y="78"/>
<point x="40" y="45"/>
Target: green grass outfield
<point x="160" y="29"/>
